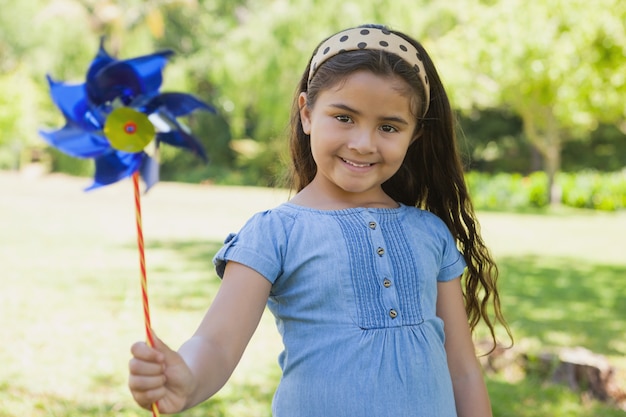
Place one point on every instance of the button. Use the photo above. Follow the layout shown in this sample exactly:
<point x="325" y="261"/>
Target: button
<point x="393" y="313"/>
<point x="387" y="282"/>
<point x="372" y="225"/>
<point x="380" y="251"/>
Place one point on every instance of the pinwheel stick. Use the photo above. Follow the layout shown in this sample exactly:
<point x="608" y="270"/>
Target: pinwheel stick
<point x="144" y="277"/>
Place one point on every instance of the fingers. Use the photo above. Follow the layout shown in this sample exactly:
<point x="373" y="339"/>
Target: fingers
<point x="143" y="381"/>
<point x="146" y="374"/>
<point x="147" y="389"/>
<point x="141" y="367"/>
<point x="142" y="351"/>
<point x="158" y="375"/>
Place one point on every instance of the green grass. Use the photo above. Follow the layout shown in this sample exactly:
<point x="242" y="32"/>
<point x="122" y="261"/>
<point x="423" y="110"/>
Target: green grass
<point x="560" y="304"/>
<point x="70" y="295"/>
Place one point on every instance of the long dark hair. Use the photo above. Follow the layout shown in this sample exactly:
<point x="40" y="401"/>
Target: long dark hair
<point x="431" y="176"/>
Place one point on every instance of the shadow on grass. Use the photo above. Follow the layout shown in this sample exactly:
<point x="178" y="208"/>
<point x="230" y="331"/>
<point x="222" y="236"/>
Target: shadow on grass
<point x="565" y="302"/>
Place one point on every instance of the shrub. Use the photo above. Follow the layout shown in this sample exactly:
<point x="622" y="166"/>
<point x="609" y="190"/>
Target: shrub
<point x="589" y="189"/>
<point x="585" y="189"/>
<point x="70" y="165"/>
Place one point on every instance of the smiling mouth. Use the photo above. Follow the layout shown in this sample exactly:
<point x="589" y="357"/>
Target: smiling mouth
<point x="356" y="164"/>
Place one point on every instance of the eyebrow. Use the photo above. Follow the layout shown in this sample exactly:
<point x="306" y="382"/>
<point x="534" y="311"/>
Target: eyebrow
<point x="385" y="118"/>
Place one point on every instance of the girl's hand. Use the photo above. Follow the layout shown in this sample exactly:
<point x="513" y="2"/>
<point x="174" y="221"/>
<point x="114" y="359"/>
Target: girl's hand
<point x="159" y="375"/>
<point x="179" y="380"/>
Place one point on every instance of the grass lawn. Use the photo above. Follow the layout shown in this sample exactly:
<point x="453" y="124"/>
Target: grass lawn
<point x="70" y="295"/>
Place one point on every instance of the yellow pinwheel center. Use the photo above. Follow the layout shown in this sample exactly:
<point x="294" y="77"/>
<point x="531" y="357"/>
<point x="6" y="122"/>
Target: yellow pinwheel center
<point x="128" y="130"/>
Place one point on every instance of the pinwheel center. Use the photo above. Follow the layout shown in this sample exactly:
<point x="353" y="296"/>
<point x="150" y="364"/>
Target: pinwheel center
<point x="128" y="130"/>
<point x="130" y="127"/>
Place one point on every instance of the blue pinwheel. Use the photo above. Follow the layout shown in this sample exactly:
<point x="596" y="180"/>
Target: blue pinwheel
<point x="117" y="112"/>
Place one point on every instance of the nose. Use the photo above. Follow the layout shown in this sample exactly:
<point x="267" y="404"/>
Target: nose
<point x="362" y="142"/>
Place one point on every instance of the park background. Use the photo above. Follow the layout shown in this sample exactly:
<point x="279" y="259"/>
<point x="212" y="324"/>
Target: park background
<point x="539" y="91"/>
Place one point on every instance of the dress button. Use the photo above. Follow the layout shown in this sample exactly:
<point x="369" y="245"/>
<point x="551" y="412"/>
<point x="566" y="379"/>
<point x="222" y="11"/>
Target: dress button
<point x="387" y="282"/>
<point x="372" y="225"/>
<point x="393" y="313"/>
<point x="380" y="251"/>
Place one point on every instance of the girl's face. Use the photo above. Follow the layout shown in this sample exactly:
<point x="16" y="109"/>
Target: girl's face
<point x="360" y="131"/>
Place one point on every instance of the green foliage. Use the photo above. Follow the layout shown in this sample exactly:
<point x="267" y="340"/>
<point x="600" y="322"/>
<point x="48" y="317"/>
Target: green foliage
<point x="493" y="141"/>
<point x="537" y="189"/>
<point x="507" y="191"/>
<point x="592" y="190"/>
<point x="604" y="150"/>
<point x="19" y="103"/>
<point x="256" y="64"/>
<point x="562" y="56"/>
<point x="213" y="132"/>
<point x="558" y="65"/>
<point x="66" y="164"/>
<point x="527" y="64"/>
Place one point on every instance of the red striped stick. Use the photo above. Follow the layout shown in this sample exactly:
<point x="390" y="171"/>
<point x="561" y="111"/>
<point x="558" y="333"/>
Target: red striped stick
<point x="144" y="278"/>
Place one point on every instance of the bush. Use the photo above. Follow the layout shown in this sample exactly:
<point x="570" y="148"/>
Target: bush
<point x="70" y="165"/>
<point x="593" y="190"/>
<point x="508" y="191"/>
<point x="586" y="189"/>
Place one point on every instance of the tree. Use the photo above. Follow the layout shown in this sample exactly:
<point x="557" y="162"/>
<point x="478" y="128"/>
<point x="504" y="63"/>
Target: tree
<point x="558" y="64"/>
<point x="258" y="62"/>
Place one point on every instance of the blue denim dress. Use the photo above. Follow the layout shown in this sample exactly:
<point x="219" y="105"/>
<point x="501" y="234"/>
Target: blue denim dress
<point x="354" y="296"/>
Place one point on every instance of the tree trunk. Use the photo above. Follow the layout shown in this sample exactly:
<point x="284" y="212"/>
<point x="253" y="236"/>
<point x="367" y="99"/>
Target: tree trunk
<point x="553" y="157"/>
<point x="552" y="165"/>
<point x="585" y="372"/>
<point x="536" y="159"/>
<point x="545" y="136"/>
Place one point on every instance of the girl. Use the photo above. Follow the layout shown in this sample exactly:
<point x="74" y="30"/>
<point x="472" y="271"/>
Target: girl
<point x="362" y="267"/>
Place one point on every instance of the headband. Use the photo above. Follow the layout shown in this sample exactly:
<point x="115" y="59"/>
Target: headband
<point x="372" y="39"/>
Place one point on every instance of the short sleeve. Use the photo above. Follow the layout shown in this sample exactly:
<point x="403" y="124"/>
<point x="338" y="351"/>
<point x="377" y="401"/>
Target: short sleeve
<point x="453" y="264"/>
<point x="259" y="245"/>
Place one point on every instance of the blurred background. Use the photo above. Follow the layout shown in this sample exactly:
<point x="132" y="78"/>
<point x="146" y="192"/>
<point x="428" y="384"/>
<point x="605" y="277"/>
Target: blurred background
<point x="539" y="89"/>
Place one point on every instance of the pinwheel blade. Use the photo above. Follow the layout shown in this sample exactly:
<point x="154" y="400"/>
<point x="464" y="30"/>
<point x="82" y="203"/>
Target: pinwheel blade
<point x="101" y="60"/>
<point x="177" y="104"/>
<point x="115" y="166"/>
<point x="181" y="139"/>
<point x="127" y="79"/>
<point x="77" y="142"/>
<point x="71" y="100"/>
<point x="150" y="69"/>
<point x="149" y="171"/>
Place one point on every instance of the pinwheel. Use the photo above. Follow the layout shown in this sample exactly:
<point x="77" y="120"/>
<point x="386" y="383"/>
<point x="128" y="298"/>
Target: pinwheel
<point x="117" y="112"/>
<point x="112" y="117"/>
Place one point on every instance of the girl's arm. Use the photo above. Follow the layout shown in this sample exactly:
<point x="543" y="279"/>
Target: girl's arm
<point x="216" y="347"/>
<point x="470" y="392"/>
<point x="203" y="364"/>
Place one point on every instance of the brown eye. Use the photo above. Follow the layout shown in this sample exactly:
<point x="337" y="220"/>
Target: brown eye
<point x="343" y="118"/>
<point x="388" y="129"/>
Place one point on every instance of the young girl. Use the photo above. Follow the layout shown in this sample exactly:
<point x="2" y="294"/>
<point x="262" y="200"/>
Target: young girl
<point x="362" y="267"/>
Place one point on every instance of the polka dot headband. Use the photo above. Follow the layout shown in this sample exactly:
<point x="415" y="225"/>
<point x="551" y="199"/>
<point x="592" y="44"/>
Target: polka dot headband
<point x="373" y="39"/>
